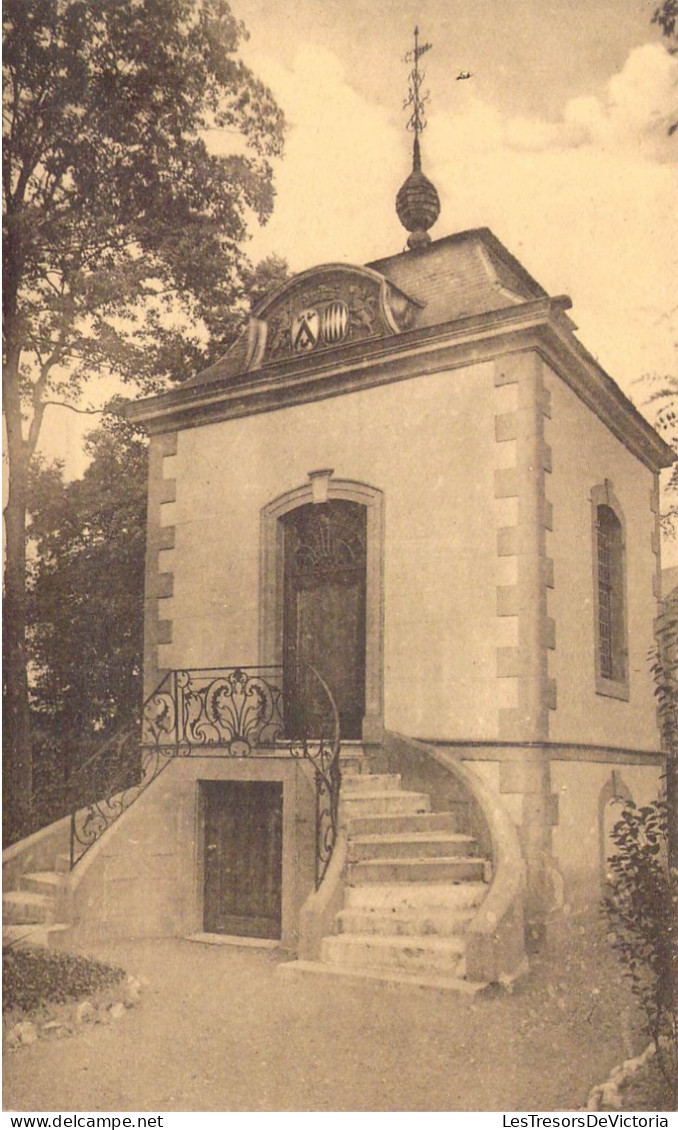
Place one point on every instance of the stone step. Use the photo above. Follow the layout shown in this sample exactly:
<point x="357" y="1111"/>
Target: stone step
<point x="418" y="921"/>
<point x="42" y="882"/>
<point x="445" y="869"/>
<point x="26" y="907"/>
<point x="413" y="954"/>
<point x="43" y="934"/>
<point x="395" y="897"/>
<point x="352" y="783"/>
<point x="379" y="979"/>
<point x="429" y="844"/>
<point x="383" y="801"/>
<point x="24" y="935"/>
<point x="352" y="758"/>
<point x="62" y="864"/>
<point x="394" y="823"/>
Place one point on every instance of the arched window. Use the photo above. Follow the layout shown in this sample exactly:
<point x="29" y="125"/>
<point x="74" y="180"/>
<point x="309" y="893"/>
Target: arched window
<point x="610" y="595"/>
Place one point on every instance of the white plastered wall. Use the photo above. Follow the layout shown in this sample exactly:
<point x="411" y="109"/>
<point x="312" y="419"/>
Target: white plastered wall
<point x="427" y="444"/>
<point x="585" y="453"/>
<point x="577" y="847"/>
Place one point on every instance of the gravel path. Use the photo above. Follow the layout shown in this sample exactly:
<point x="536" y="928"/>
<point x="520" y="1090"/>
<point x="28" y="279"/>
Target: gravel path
<point x="218" y="1031"/>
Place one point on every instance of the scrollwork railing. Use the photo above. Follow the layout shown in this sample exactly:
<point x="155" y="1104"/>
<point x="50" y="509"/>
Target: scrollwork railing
<point x="110" y="781"/>
<point x="228" y="712"/>
<point x="323" y="754"/>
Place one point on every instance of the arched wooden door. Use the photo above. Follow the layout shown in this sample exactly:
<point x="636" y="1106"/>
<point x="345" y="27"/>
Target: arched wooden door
<point x="324" y="587"/>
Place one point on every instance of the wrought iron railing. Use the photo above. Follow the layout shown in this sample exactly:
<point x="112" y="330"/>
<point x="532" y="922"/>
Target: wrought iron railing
<point x="232" y="712"/>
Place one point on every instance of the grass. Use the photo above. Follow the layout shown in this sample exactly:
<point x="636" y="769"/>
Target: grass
<point x="33" y="977"/>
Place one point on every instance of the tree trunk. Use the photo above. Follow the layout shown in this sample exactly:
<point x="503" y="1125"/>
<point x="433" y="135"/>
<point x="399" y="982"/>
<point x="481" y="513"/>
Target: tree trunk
<point x="672" y="852"/>
<point x="17" y="754"/>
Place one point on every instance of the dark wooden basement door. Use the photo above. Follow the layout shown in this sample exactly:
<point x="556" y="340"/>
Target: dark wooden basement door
<point x="324" y="611"/>
<point x="243" y="858"/>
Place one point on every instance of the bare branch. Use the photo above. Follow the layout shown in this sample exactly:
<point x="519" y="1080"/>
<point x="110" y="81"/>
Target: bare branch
<point x="39" y="388"/>
<point x="72" y="407"/>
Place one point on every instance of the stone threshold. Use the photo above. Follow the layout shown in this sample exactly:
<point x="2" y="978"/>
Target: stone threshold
<point x="234" y="940"/>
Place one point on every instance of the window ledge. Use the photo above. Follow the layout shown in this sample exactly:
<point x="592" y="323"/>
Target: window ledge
<point x="613" y="688"/>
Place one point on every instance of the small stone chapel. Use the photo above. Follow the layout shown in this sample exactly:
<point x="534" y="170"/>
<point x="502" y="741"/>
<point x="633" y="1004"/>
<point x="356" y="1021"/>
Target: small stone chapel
<point x="402" y="573"/>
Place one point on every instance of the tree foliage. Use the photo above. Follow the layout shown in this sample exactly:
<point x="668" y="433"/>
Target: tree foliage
<point x="642" y="900"/>
<point x="112" y="198"/>
<point x="659" y="403"/>
<point x="666" y="16"/>
<point x="664" y="666"/>
<point x="85" y="598"/>
<point x="123" y="229"/>
<point x="85" y="608"/>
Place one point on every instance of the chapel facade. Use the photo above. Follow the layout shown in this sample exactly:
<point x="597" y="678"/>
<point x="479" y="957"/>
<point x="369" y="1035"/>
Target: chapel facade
<point x="413" y="477"/>
<point x="402" y="575"/>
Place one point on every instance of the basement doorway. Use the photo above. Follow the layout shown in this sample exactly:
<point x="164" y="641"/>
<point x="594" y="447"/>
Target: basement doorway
<point x="243" y="858"/>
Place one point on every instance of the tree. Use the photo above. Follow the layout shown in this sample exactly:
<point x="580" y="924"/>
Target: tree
<point x="659" y="402"/>
<point x="85" y="591"/>
<point x="85" y="603"/>
<point x="665" y="674"/>
<point x="122" y="231"/>
<point x="666" y="16"/>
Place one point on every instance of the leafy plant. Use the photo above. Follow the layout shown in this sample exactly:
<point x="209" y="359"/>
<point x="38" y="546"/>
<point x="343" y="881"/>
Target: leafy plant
<point x="664" y="666"/>
<point x="641" y="907"/>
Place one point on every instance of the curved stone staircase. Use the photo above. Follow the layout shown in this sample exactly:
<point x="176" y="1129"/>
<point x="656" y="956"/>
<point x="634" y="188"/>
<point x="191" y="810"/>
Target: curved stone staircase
<point x="413" y="882"/>
<point x="29" y="914"/>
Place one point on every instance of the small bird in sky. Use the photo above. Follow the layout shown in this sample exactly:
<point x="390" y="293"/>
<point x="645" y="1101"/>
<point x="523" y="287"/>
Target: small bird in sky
<point x="464" y="74"/>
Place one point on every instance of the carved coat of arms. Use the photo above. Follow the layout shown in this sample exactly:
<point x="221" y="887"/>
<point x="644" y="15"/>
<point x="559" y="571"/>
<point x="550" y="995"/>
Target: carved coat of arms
<point x="324" y="308"/>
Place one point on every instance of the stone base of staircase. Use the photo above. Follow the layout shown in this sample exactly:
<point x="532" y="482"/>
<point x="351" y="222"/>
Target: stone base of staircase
<point x="379" y="978"/>
<point x="29" y="914"/>
<point x="414" y="881"/>
<point x="50" y="934"/>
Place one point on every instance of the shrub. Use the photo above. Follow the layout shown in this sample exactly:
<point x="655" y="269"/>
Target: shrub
<point x="34" y="976"/>
<point x="641" y="908"/>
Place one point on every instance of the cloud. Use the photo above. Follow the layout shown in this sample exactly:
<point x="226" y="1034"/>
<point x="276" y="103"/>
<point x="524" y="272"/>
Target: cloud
<point x="640" y="104"/>
<point x="633" y="114"/>
<point x="344" y="159"/>
<point x="586" y="201"/>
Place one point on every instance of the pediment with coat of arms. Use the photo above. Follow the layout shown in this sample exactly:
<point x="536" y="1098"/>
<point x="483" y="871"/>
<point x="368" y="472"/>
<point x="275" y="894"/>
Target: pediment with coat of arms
<point x="324" y="308"/>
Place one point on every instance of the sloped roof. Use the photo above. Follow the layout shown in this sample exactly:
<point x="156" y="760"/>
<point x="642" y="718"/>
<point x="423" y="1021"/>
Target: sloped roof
<point x="459" y="276"/>
<point x="338" y="327"/>
<point x="462" y="275"/>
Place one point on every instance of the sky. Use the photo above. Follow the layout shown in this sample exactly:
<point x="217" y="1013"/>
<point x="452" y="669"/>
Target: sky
<point x="558" y="143"/>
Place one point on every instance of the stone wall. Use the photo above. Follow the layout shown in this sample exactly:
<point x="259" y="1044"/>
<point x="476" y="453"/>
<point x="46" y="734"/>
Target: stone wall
<point x="144" y="878"/>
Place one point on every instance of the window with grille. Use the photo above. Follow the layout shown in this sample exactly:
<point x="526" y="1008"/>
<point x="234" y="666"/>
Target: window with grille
<point x="611" y="650"/>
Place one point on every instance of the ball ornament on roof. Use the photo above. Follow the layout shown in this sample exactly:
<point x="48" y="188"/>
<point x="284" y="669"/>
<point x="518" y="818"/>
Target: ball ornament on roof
<point x="417" y="202"/>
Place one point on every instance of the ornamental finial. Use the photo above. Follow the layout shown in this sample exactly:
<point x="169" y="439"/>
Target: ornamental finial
<point x="417" y="202"/>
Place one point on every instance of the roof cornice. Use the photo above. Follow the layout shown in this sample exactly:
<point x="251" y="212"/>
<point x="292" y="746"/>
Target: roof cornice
<point x="539" y="325"/>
